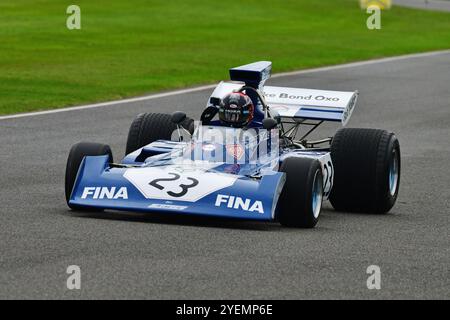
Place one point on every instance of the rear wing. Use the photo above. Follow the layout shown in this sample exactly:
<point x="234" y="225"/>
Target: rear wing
<point x="294" y="103"/>
<point x="311" y="104"/>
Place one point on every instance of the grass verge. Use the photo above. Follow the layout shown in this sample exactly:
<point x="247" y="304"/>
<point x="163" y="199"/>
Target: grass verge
<point x="128" y="48"/>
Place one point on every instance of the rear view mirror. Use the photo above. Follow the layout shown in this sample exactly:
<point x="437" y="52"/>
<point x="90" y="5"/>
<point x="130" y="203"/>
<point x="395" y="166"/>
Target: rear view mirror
<point x="269" y="123"/>
<point x="178" y="117"/>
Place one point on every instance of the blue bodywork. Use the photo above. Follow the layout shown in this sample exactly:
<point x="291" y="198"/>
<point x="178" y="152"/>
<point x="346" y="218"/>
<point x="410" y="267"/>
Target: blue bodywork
<point x="257" y="185"/>
<point x="167" y="176"/>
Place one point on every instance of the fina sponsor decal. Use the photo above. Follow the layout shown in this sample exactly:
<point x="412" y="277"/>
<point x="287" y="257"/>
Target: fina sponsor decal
<point x="105" y="193"/>
<point x="239" y="203"/>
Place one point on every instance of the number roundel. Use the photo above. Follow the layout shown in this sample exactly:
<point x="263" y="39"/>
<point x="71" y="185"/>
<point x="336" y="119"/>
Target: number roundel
<point x="175" y="183"/>
<point x="176" y="176"/>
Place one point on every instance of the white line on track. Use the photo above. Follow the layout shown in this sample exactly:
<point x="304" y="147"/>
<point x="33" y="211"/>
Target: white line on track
<point x="191" y="90"/>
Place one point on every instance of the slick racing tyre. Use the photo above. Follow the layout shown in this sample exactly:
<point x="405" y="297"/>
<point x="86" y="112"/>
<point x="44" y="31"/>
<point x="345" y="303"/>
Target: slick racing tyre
<point x="301" y="198"/>
<point x="149" y="127"/>
<point x="367" y="170"/>
<point x="76" y="155"/>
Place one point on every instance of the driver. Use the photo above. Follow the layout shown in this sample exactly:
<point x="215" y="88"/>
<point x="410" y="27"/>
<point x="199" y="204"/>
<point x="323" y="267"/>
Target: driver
<point x="236" y="110"/>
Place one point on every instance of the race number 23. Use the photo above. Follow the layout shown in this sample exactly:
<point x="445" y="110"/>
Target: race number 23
<point x="174" y="177"/>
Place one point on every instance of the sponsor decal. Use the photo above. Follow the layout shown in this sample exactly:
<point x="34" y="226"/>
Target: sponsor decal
<point x="349" y="109"/>
<point x="209" y="147"/>
<point x="238" y="203"/>
<point x="105" y="193"/>
<point x="235" y="150"/>
<point x="166" y="206"/>
<point x="308" y="98"/>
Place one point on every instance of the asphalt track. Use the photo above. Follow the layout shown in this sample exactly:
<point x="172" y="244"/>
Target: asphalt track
<point x="129" y="255"/>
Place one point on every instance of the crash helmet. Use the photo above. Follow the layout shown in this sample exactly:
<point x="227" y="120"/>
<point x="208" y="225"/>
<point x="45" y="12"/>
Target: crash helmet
<point x="236" y="110"/>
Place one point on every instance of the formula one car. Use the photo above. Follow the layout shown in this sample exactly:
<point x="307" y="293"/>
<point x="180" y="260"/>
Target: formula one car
<point x="259" y="170"/>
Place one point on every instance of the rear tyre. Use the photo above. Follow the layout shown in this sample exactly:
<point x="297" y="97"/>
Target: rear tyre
<point x="301" y="199"/>
<point x="149" y="127"/>
<point x="76" y="155"/>
<point x="367" y="170"/>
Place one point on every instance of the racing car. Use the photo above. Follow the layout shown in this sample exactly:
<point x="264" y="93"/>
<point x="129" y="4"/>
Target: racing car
<point x="248" y="157"/>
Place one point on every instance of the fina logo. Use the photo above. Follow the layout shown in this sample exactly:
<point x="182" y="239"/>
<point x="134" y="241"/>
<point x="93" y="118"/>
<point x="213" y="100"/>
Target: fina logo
<point x="105" y="192"/>
<point x="238" y="203"/>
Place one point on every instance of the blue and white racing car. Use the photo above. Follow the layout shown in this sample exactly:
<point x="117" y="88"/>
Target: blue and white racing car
<point x="265" y="170"/>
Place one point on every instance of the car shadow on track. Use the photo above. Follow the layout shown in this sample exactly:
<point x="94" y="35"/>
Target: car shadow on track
<point x="328" y="215"/>
<point x="182" y="220"/>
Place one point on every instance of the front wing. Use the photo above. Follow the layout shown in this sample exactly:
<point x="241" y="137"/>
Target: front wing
<point x="175" y="189"/>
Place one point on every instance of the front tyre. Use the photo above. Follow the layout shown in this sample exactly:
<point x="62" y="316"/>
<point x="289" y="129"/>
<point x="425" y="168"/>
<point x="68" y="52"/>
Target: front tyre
<point x="149" y="127"/>
<point x="301" y="199"/>
<point x="76" y="155"/>
<point x="367" y="170"/>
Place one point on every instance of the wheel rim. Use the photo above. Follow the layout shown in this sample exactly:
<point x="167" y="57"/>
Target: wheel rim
<point x="393" y="173"/>
<point x="317" y="194"/>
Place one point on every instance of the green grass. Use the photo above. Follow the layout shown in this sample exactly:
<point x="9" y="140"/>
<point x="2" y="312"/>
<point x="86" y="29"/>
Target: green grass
<point x="128" y="48"/>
